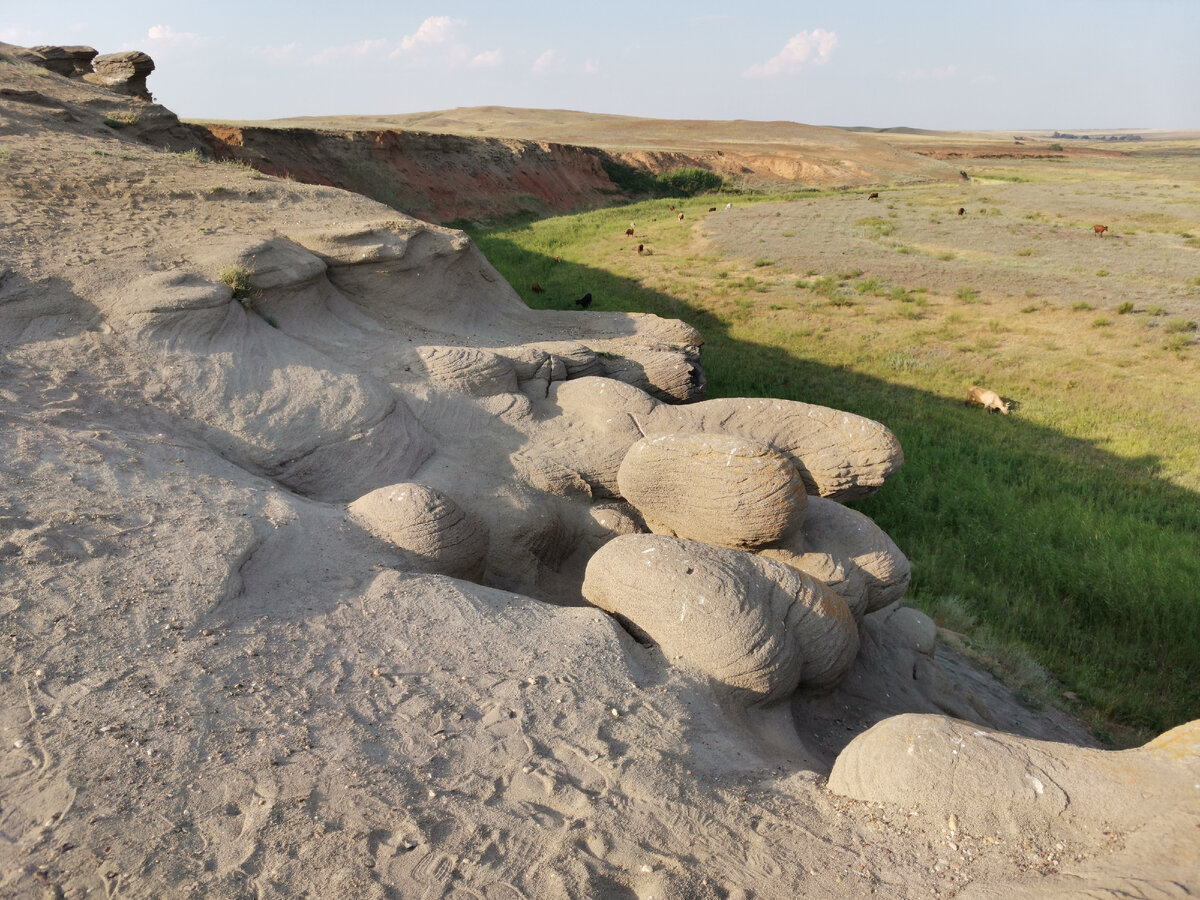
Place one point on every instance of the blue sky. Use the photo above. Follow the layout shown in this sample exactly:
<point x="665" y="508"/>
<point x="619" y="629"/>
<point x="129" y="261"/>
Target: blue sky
<point x="1004" y="64"/>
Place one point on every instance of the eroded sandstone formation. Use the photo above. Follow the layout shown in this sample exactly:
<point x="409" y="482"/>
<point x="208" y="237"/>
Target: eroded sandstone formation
<point x="368" y="544"/>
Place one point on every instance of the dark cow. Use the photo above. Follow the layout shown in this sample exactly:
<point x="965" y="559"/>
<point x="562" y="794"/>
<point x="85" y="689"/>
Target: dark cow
<point x="585" y="301"/>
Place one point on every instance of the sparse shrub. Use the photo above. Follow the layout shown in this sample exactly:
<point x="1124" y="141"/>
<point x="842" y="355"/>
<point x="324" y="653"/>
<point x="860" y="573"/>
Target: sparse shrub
<point x="1125" y="308"/>
<point x="1057" y="148"/>
<point x="724" y="273"/>
<point x="1032" y="307"/>
<point x="839" y="300"/>
<point x="1025" y="251"/>
<point x="904" y="249"/>
<point x="869" y="286"/>
<point x="945" y="257"/>
<point x="967" y="294"/>
<point x="1081" y="306"/>
<point x="852" y="273"/>
<point x="1179" y="326"/>
<point x="1176" y="343"/>
<point x="120" y="120"/>
<point x="1101" y="322"/>
<point x="1155" y="311"/>
<point x="1102" y="273"/>
<point x="238" y="280"/>
<point x="810" y="272"/>
<point x="760" y="263"/>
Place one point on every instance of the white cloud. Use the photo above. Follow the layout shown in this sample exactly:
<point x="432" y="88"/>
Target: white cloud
<point x="487" y="59"/>
<point x="815" y="46"/>
<point x="591" y="67"/>
<point x="168" y="36"/>
<point x="280" y="53"/>
<point x="356" y="50"/>
<point x="434" y="30"/>
<point x="545" y="61"/>
<point x="941" y="73"/>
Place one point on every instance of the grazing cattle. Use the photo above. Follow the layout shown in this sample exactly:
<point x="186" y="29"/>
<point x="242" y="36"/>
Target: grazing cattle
<point x="681" y="217"/>
<point x="558" y="259"/>
<point x="672" y="207"/>
<point x="874" y="196"/>
<point x="965" y="176"/>
<point x="537" y="288"/>
<point x="640" y="248"/>
<point x="1100" y="229"/>
<point x="729" y="205"/>
<point x="989" y="400"/>
<point x="585" y="301"/>
<point x="961" y="210"/>
<point x="712" y="209"/>
<point x="629" y="231"/>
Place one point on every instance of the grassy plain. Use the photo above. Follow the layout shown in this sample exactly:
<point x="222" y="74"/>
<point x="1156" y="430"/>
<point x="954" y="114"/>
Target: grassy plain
<point x="1061" y="542"/>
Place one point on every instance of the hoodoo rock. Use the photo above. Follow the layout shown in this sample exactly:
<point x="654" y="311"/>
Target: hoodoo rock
<point x="124" y="73"/>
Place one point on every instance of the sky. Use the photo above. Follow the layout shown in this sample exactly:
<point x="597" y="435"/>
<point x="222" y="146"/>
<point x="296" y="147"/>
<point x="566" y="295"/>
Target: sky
<point x="1071" y="65"/>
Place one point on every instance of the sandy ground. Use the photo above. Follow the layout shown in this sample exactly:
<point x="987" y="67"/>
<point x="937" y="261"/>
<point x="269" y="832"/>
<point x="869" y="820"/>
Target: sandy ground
<point x="213" y="682"/>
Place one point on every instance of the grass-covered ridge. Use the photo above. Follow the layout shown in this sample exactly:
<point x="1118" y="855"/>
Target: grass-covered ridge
<point x="1067" y="533"/>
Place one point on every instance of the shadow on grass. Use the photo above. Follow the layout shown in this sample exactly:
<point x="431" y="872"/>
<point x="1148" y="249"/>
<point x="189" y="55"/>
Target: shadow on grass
<point x="1089" y="561"/>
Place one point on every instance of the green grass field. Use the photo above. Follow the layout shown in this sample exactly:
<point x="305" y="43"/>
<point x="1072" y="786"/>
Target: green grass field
<point x="1062" y="541"/>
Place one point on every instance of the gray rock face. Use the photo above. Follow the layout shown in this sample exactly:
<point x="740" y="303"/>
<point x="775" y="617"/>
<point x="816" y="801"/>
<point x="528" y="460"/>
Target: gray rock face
<point x="71" y="62"/>
<point x="756" y="626"/>
<point x="716" y="488"/>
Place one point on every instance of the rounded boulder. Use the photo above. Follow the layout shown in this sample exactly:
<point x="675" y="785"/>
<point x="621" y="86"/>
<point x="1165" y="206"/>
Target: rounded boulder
<point x="720" y="489"/>
<point x="434" y="533"/>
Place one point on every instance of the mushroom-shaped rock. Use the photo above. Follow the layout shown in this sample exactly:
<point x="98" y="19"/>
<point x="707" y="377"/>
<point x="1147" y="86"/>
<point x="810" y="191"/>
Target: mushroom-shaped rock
<point x="757" y="626"/>
<point x="847" y="551"/>
<point x="433" y="531"/>
<point x="1003" y="784"/>
<point x="468" y="370"/>
<point x="124" y="72"/>
<point x="713" y="487"/>
<point x="839" y="455"/>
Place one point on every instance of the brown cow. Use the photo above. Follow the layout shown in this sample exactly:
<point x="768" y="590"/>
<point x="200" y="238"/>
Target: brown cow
<point x="712" y="209"/>
<point x="681" y="217"/>
<point x="537" y="288"/>
<point x="1100" y="229"/>
<point x="961" y="210"/>
<point x="874" y="196"/>
<point x="628" y="231"/>
<point x="989" y="400"/>
<point x="641" y="248"/>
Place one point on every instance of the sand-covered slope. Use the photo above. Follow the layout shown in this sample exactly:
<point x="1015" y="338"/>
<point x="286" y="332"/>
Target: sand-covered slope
<point x="340" y="583"/>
